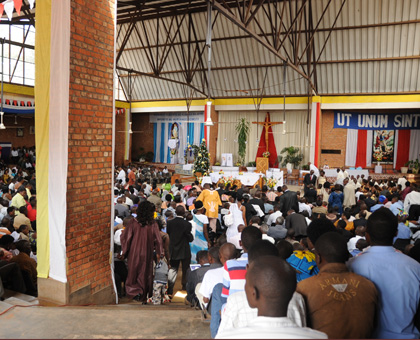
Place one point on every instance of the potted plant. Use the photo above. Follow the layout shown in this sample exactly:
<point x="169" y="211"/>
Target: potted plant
<point x="404" y="169"/>
<point x="414" y="165"/>
<point x="293" y="156"/>
<point x="242" y="128"/>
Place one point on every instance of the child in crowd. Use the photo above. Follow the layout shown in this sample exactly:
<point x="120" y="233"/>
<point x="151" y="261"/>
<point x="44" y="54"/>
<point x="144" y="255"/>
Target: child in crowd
<point x="160" y="284"/>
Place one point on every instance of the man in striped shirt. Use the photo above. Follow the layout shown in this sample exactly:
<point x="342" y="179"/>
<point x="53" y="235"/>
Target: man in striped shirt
<point x="233" y="276"/>
<point x="235" y="270"/>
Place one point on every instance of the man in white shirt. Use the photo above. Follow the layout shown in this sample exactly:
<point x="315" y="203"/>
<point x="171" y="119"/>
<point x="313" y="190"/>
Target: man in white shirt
<point x="121" y="175"/>
<point x="304" y="206"/>
<point x="401" y="181"/>
<point x="270" y="285"/>
<point x="345" y="173"/>
<point x="360" y="234"/>
<point x="238" y="313"/>
<point x="412" y="203"/>
<point x="340" y="177"/>
<point x="273" y="217"/>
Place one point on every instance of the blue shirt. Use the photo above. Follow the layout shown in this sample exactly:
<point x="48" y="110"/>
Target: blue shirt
<point x="396" y="207"/>
<point x="403" y="232"/>
<point x="397" y="279"/>
<point x="376" y="207"/>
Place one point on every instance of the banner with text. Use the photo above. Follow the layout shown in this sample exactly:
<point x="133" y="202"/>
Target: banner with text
<point x="193" y="117"/>
<point x="374" y="121"/>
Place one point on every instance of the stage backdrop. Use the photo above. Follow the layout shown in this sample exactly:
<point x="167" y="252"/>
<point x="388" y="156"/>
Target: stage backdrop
<point x="296" y="135"/>
<point x="190" y="130"/>
<point x="387" y="138"/>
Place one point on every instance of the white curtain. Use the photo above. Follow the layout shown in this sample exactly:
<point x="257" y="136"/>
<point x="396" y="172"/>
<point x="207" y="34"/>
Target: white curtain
<point x="414" y="145"/>
<point x="296" y="133"/>
<point x="351" y="147"/>
<point x="369" y="148"/>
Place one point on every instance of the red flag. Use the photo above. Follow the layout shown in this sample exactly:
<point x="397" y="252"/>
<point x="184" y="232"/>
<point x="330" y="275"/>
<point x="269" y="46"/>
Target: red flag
<point x="18" y="5"/>
<point x="1" y="10"/>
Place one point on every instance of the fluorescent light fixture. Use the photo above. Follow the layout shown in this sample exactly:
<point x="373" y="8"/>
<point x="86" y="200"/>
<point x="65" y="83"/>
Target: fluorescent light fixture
<point x="208" y="121"/>
<point x="2" y="127"/>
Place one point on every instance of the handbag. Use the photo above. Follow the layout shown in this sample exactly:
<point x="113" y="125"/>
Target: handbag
<point x="228" y="219"/>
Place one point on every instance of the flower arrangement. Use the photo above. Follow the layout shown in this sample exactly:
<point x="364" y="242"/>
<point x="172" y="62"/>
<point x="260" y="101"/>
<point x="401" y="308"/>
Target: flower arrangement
<point x="266" y="154"/>
<point x="228" y="180"/>
<point x="271" y="183"/>
<point x="221" y="172"/>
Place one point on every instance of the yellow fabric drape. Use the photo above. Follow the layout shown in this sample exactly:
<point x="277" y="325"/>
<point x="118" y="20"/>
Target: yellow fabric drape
<point x="42" y="117"/>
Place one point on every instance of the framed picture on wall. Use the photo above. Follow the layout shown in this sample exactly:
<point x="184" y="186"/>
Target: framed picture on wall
<point x="19" y="132"/>
<point x="32" y="130"/>
<point x="383" y="146"/>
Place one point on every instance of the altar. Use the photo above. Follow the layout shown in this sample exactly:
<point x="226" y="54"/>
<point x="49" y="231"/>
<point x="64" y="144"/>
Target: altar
<point x="249" y="178"/>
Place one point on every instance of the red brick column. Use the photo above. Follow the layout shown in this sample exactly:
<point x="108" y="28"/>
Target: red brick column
<point x="90" y="151"/>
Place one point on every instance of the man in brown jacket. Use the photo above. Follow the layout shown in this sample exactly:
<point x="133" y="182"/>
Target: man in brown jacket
<point x="339" y="303"/>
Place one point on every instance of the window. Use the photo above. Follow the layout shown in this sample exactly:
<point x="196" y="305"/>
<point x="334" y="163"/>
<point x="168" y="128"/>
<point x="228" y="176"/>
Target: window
<point x="19" y="54"/>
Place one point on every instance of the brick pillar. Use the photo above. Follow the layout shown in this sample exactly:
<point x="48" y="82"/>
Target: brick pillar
<point x="90" y="162"/>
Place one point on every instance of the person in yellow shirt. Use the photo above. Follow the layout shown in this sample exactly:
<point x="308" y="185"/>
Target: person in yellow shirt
<point x="19" y="200"/>
<point x="211" y="201"/>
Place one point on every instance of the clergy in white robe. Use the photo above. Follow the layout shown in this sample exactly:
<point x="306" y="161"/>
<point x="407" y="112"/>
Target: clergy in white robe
<point x="349" y="194"/>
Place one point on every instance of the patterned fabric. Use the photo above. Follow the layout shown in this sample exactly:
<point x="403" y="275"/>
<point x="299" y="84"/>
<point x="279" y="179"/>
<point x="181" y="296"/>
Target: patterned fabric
<point x="304" y="263"/>
<point x="199" y="242"/>
<point x="160" y="295"/>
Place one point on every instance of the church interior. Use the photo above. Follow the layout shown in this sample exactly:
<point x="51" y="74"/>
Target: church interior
<point x="143" y="82"/>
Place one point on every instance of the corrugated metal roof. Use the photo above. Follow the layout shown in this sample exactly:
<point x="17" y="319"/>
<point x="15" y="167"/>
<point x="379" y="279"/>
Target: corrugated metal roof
<point x="375" y="48"/>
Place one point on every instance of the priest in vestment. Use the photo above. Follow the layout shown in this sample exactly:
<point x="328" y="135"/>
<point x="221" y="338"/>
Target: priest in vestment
<point x="211" y="201"/>
<point x="349" y="193"/>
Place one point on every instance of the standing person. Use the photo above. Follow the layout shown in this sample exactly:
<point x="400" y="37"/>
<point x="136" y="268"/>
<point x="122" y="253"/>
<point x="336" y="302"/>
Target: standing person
<point x="200" y="231"/>
<point x="395" y="275"/>
<point x="308" y="180"/>
<point x="132" y="176"/>
<point x="179" y="231"/>
<point x="138" y="240"/>
<point x="336" y="198"/>
<point x="349" y="193"/>
<point x="121" y="175"/>
<point x="238" y="214"/>
<point x="288" y="201"/>
<point x="211" y="201"/>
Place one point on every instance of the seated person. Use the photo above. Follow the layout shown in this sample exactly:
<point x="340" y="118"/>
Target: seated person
<point x="279" y="231"/>
<point x="270" y="285"/>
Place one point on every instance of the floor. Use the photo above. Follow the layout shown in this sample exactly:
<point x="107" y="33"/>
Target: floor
<point x="127" y="320"/>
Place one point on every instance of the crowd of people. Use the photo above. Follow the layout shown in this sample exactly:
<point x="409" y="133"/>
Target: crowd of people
<point x="337" y="260"/>
<point x="18" y="238"/>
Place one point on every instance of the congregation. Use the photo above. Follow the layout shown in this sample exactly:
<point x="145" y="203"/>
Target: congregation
<point x="336" y="260"/>
<point x="18" y="238"/>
